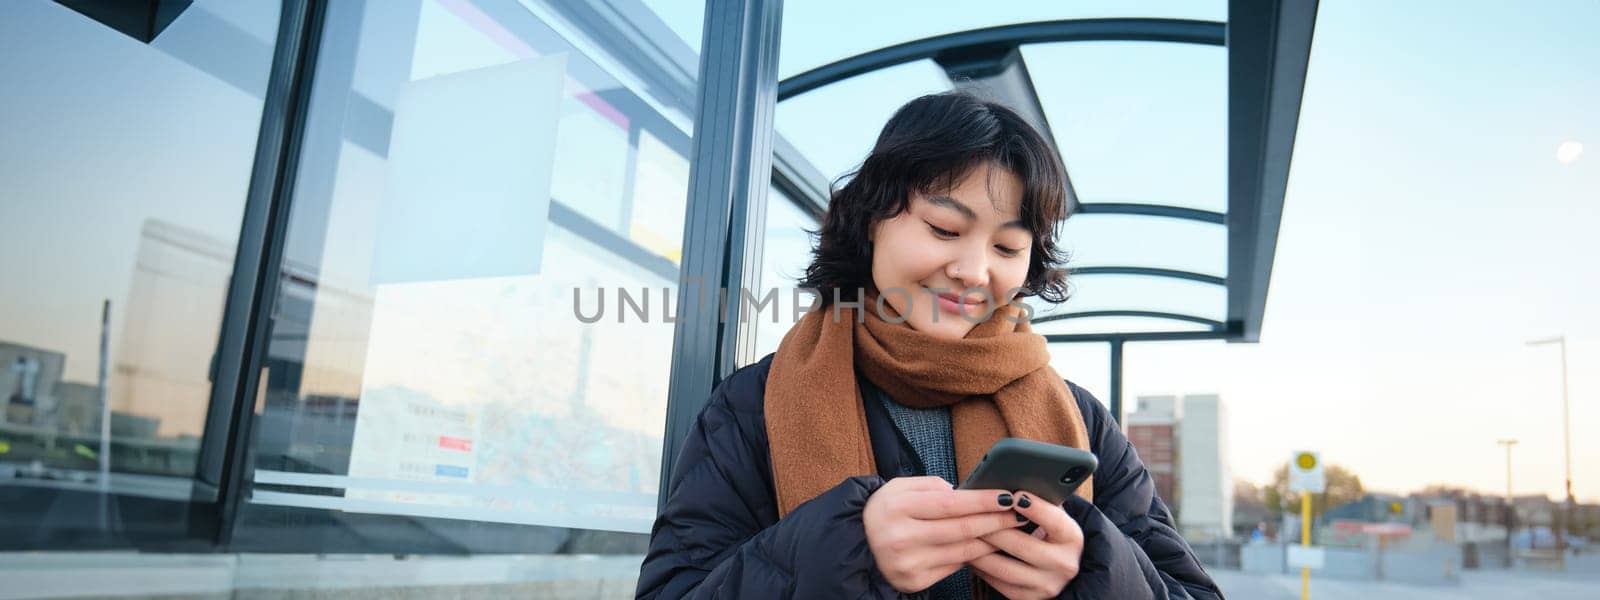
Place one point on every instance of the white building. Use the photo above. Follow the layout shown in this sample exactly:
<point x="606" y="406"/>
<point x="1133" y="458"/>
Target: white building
<point x="1205" y="483"/>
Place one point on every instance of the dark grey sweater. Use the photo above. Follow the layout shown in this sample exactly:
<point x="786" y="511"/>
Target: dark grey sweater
<point x="929" y="432"/>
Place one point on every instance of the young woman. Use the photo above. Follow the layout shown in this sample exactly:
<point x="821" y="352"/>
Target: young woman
<point x="827" y="469"/>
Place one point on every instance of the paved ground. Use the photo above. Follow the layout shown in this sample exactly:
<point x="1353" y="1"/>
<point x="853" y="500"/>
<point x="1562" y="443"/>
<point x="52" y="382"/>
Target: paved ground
<point x="1496" y="585"/>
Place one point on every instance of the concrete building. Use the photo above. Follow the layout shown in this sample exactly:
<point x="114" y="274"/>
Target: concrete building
<point x="1181" y="442"/>
<point x="1205" y="483"/>
<point x="1153" y="430"/>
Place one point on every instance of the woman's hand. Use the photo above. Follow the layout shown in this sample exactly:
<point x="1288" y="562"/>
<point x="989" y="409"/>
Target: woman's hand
<point x="1044" y="562"/>
<point x="920" y="530"/>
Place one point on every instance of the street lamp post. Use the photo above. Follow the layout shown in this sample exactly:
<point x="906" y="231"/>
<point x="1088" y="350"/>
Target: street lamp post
<point x="1566" y="435"/>
<point x="1510" y="507"/>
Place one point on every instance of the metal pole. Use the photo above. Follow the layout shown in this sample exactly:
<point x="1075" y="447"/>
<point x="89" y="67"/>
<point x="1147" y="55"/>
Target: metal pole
<point x="1116" y="379"/>
<point x="105" y="416"/>
<point x="1510" y="508"/>
<point x="1566" y="440"/>
<point x="730" y="171"/>
<point x="1566" y="433"/>
<point x="1305" y="542"/>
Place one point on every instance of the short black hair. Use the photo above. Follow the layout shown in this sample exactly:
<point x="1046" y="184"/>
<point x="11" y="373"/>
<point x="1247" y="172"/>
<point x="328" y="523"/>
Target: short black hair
<point x="925" y="147"/>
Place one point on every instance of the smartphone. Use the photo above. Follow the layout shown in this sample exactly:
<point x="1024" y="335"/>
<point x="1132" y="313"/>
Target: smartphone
<point x="1048" y="471"/>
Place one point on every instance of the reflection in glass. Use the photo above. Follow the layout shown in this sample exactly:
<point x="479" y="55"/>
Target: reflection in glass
<point x="785" y="254"/>
<point x="125" y="166"/>
<point x="468" y="169"/>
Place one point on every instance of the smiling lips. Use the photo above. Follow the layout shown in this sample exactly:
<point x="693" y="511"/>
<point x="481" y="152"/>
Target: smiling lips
<point x="954" y="304"/>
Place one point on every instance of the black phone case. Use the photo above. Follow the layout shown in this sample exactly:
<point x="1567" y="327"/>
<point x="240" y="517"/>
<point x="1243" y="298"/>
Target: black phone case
<point x="1032" y="466"/>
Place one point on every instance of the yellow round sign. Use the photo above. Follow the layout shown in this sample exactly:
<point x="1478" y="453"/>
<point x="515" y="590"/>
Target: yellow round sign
<point x="1306" y="461"/>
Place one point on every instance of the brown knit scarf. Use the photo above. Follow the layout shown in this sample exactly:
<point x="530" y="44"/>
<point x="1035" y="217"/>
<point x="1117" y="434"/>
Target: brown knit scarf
<point x="997" y="382"/>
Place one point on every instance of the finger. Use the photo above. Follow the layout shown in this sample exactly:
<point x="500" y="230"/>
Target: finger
<point x="1007" y="590"/>
<point x="1023" y="547"/>
<point x="947" y="531"/>
<point x="1058" y="526"/>
<point x="1011" y="571"/>
<point x="944" y="504"/>
<point x="924" y="483"/>
<point x="1059" y="563"/>
<point x="960" y="553"/>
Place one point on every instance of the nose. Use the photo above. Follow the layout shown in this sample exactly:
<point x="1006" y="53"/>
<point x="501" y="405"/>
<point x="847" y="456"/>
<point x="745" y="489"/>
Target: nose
<point x="970" y="269"/>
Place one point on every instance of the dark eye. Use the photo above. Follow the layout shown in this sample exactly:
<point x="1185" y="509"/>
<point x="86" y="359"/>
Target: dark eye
<point x="1008" y="251"/>
<point x="944" y="233"/>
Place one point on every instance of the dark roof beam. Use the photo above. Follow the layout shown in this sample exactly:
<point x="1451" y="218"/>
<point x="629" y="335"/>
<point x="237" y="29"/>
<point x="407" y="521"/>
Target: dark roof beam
<point x="997" y="72"/>
<point x="1269" y="49"/>
<point x="1145" y="314"/>
<point x="1135" y="336"/>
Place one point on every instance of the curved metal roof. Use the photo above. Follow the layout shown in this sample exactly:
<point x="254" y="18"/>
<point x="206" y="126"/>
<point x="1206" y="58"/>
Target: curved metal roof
<point x="1177" y="155"/>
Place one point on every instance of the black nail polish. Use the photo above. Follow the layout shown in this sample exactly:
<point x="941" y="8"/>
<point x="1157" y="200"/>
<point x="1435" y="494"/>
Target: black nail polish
<point x="1005" y="499"/>
<point x="1021" y="519"/>
<point x="1024" y="501"/>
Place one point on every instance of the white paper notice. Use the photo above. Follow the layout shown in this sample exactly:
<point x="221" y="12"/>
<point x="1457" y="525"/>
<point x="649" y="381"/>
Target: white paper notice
<point x="468" y="190"/>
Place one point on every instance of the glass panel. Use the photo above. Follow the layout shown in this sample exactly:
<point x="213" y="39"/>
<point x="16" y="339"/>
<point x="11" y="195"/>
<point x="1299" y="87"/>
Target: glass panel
<point x="686" y="19"/>
<point x="834" y="127"/>
<point x="125" y="169"/>
<point x="1154" y="129"/>
<point x="1087" y="364"/>
<point x="477" y="194"/>
<point x="815" y="35"/>
<point x="1101" y="240"/>
<point x="1138" y="292"/>
<point x="785" y="254"/>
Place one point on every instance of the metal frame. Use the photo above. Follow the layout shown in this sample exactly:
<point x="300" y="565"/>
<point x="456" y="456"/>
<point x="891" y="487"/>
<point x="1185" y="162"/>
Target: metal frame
<point x="797" y="178"/>
<point x="1151" y="210"/>
<point x="1269" y="48"/>
<point x="1184" y="31"/>
<point x="224" y="458"/>
<point x="730" y="173"/>
<point x="673" y="66"/>
<point x="990" y="63"/>
<point x="999" y="72"/>
<point x="1134" y="336"/>
<point x="1215" y="330"/>
<point x="1150" y="272"/>
<point x="1268" y="45"/>
<point x="1215" y="326"/>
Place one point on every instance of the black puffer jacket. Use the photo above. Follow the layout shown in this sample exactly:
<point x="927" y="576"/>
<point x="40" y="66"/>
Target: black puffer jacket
<point x="719" y="535"/>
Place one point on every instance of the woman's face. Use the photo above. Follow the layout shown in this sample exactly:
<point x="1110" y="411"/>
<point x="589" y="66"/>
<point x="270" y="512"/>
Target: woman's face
<point x="951" y="251"/>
